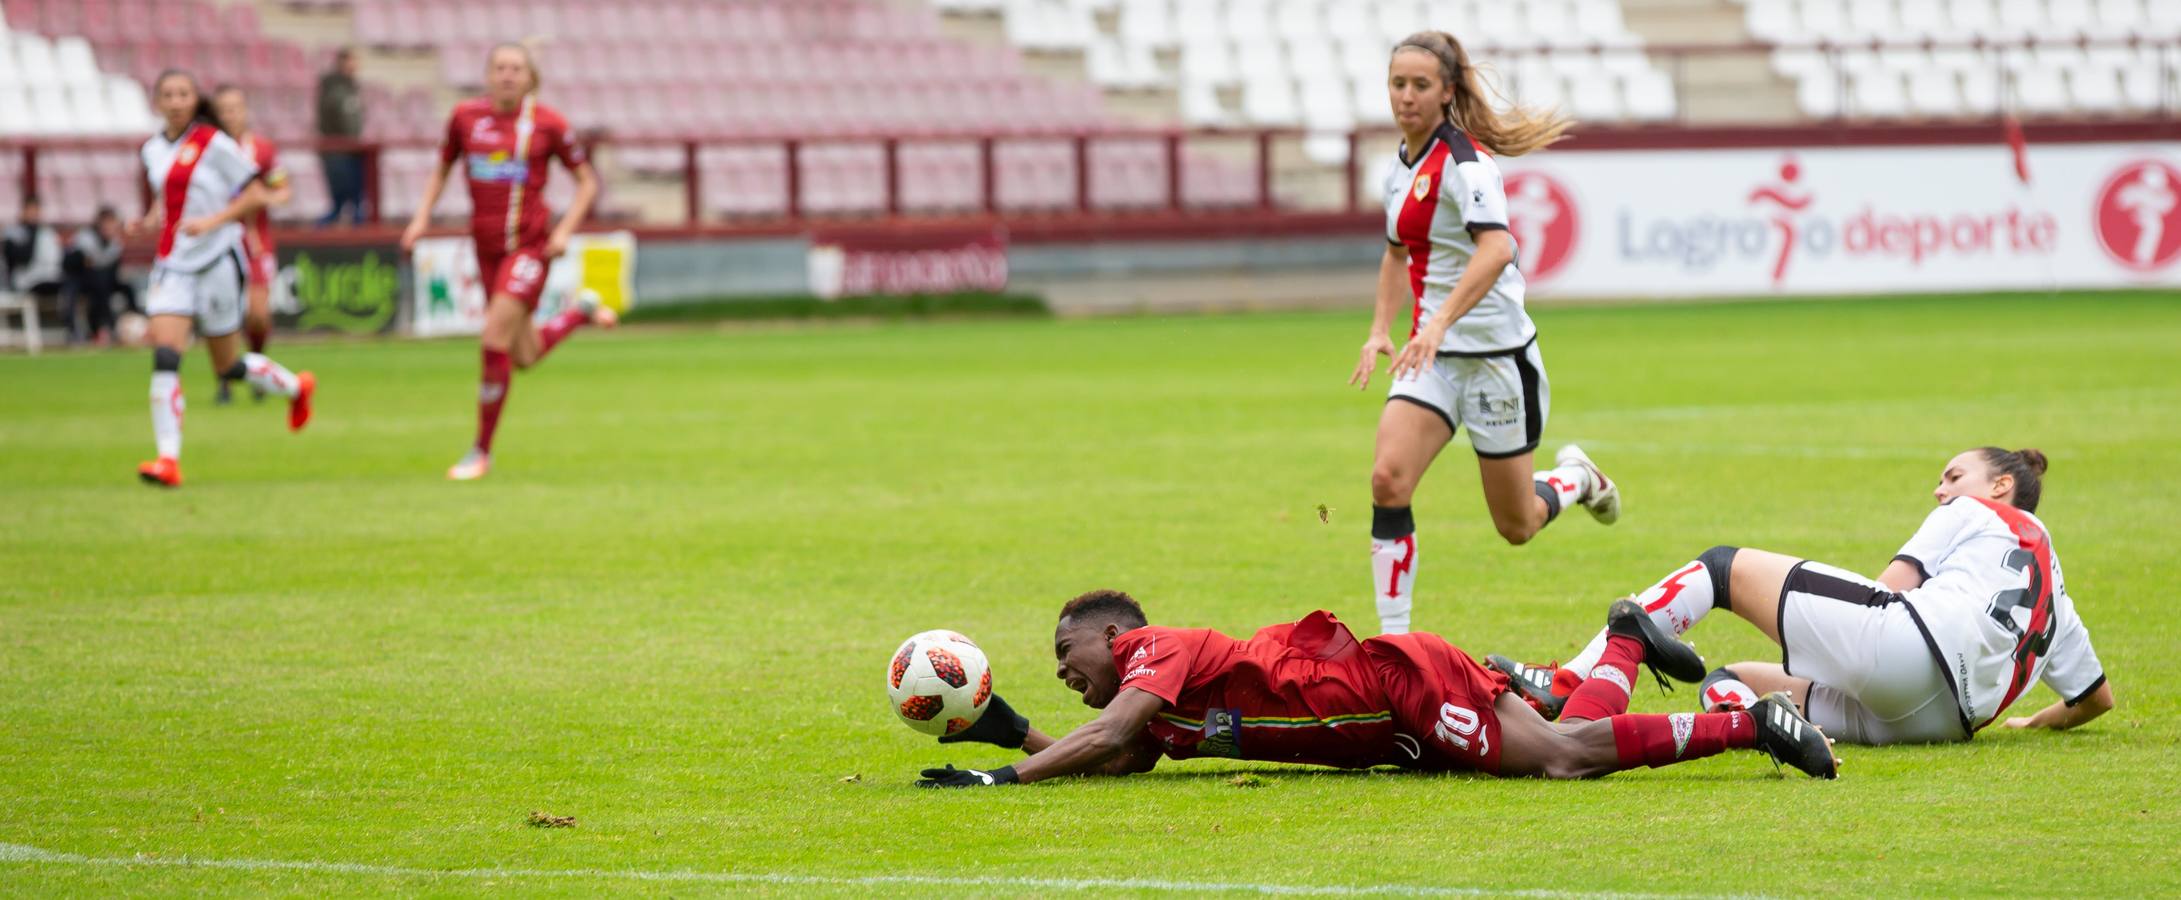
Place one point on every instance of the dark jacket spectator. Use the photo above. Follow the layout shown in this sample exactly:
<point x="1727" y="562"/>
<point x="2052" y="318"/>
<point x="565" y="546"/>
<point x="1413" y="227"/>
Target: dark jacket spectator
<point x="33" y="253"/>
<point x="341" y="117"/>
<point x="94" y="275"/>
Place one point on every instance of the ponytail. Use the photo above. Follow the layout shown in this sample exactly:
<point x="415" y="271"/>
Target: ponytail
<point x="1513" y="132"/>
<point x="2026" y="466"/>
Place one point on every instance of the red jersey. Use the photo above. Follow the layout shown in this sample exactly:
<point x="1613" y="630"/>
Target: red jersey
<point x="257" y="234"/>
<point x="1302" y="692"/>
<point x="506" y="157"/>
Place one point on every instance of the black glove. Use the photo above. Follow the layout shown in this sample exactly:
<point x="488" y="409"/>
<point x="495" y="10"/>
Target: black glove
<point x="951" y="777"/>
<point x="1000" y="726"/>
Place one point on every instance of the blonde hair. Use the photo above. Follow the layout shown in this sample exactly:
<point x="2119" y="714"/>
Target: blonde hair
<point x="530" y="60"/>
<point x="1514" y="132"/>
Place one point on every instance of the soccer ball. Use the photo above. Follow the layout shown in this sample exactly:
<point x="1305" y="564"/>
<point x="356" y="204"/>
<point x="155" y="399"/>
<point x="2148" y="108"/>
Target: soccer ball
<point x="939" y="682"/>
<point x="131" y="328"/>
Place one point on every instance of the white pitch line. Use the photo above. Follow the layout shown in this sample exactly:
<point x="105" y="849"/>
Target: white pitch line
<point x="19" y="853"/>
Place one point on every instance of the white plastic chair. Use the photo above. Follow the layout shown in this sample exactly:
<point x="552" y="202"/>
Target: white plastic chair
<point x="25" y="307"/>
<point x="2095" y="88"/>
<point x="1935" y="92"/>
<point x="1649" y="95"/>
<point x="1877" y="93"/>
<point x="2040" y="90"/>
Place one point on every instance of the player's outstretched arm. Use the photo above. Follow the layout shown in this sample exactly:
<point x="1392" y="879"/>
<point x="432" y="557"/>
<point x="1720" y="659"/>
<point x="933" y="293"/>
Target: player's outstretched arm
<point x="2061" y="717"/>
<point x="1105" y="746"/>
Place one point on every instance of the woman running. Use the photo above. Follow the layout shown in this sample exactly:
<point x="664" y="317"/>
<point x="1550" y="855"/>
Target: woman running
<point x="1970" y="611"/>
<point x="257" y="237"/>
<point x="203" y="186"/>
<point x="507" y="140"/>
<point x="1471" y="357"/>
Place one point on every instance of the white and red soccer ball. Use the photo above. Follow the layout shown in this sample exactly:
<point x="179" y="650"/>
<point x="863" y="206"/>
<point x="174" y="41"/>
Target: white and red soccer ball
<point x="939" y="682"/>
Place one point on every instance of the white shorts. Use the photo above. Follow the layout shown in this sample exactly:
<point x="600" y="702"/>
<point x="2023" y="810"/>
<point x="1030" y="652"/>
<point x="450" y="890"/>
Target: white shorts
<point x="1873" y="677"/>
<point x="1502" y="398"/>
<point x="213" y="295"/>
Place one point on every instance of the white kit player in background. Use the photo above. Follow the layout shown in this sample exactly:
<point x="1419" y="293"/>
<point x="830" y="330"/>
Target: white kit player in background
<point x="1450" y="274"/>
<point x="1972" y="610"/>
<point x="2150" y="198"/>
<point x="202" y="186"/>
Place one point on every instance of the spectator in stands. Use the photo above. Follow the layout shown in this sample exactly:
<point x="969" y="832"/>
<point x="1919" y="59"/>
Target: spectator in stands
<point x="33" y="253"/>
<point x="341" y="117"/>
<point x="94" y="275"/>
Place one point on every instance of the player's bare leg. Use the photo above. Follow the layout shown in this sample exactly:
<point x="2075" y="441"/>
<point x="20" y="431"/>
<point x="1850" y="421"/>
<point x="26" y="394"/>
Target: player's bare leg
<point x="1740" y="685"/>
<point x="1409" y="438"/>
<point x="584" y="309"/>
<point x="509" y="340"/>
<point x="264" y="376"/>
<point x="1516" y="498"/>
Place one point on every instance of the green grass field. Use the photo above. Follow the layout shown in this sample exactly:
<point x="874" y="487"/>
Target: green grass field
<point x="319" y="669"/>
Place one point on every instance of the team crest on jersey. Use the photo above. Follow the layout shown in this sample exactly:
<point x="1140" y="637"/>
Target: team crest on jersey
<point x="187" y="156"/>
<point x="1422" y="188"/>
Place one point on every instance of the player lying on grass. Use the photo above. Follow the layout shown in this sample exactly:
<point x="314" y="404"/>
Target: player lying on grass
<point x="1969" y="613"/>
<point x="1309" y="692"/>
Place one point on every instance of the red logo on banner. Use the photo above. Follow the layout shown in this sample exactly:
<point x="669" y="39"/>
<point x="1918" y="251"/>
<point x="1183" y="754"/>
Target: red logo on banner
<point x="2139" y="215"/>
<point x="1541" y="213"/>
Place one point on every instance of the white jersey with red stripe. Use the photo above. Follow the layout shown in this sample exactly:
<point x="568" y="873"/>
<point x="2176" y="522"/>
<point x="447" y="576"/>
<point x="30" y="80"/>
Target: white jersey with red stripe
<point x="1995" y="610"/>
<point x="218" y="170"/>
<point x="1436" y="203"/>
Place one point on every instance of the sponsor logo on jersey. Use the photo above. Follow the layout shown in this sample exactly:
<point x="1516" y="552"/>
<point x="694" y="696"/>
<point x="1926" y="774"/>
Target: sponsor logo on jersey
<point x="2139" y="215"/>
<point x="498" y="166"/>
<point x="1541" y="212"/>
<point x="1139" y="672"/>
<point x="1139" y="655"/>
<point x="1422" y="187"/>
<point x="481" y="131"/>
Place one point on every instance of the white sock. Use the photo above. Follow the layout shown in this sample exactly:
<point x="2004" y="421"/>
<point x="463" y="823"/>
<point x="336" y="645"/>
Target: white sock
<point x="166" y="413"/>
<point x="1393" y="576"/>
<point x="268" y="376"/>
<point x="1588" y="659"/>
<point x="1571" y="483"/>
<point x="1720" y="693"/>
<point x="1679" y="600"/>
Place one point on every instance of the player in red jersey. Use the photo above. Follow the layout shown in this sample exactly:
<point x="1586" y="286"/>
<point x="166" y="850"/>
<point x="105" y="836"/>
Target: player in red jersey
<point x="233" y="109"/>
<point x="506" y="142"/>
<point x="1309" y="692"/>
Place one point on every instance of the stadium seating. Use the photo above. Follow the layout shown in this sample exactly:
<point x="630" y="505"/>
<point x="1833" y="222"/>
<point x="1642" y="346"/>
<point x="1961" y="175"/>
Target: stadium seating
<point x="1936" y="59"/>
<point x="1320" y="65"/>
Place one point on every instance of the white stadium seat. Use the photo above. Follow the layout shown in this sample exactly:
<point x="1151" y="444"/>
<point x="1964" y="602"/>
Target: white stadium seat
<point x="1935" y="92"/>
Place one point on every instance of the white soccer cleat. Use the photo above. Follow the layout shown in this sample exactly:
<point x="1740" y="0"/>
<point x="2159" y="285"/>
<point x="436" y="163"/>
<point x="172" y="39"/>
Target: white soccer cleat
<point x="601" y="315"/>
<point x="1604" y="497"/>
<point x="473" y="466"/>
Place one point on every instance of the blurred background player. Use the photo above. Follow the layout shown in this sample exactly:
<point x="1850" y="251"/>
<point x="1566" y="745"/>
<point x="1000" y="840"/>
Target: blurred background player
<point x="233" y="108"/>
<point x="507" y="141"/>
<point x="203" y="186"/>
<point x="1471" y="358"/>
<point x="1971" y="611"/>
<point x="1309" y="692"/>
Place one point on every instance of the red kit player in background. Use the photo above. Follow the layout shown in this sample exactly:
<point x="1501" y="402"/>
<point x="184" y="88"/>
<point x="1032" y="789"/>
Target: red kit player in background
<point x="233" y="109"/>
<point x="506" y="141"/>
<point x="1309" y="692"/>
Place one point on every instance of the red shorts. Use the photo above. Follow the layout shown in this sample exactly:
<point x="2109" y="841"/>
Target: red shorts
<point x="264" y="267"/>
<point x="1442" y="698"/>
<point x="520" y="274"/>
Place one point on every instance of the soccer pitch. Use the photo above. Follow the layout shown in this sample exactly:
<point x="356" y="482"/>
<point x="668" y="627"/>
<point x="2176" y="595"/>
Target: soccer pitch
<point x="321" y="669"/>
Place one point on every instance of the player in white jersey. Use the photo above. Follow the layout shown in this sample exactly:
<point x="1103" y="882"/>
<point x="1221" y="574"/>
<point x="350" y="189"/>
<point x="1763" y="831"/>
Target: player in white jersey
<point x="202" y="186"/>
<point x="1971" y="611"/>
<point x="1451" y="274"/>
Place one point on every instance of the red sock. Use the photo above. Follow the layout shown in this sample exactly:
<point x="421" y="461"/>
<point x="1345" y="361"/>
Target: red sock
<point x="1654" y="740"/>
<point x="559" y="327"/>
<point x="491" y="395"/>
<point x="1605" y="693"/>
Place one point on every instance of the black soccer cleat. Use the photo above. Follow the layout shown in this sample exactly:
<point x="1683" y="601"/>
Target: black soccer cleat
<point x="226" y="394"/>
<point x="1667" y="656"/>
<point x="1787" y="737"/>
<point x="1532" y="683"/>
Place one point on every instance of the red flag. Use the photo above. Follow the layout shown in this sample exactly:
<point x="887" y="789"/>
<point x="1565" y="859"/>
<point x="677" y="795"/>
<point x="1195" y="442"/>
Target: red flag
<point x="2012" y="127"/>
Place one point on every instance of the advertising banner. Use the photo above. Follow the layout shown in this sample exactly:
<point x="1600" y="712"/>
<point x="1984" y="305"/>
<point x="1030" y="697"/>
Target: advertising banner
<point x="447" y="294"/>
<point x="347" y="290"/>
<point x="1675" y="223"/>
<point x="849" y="265"/>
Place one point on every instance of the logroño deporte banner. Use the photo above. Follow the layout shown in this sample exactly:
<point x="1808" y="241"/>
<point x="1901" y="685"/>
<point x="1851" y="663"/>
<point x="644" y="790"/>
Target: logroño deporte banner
<point x="1742" y="222"/>
<point x="447" y="295"/>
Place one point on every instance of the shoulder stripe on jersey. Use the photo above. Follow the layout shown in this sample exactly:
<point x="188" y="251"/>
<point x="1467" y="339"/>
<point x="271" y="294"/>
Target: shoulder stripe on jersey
<point x="1458" y="144"/>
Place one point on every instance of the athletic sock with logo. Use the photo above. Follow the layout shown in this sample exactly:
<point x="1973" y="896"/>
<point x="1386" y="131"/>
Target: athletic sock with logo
<point x="1722" y="691"/>
<point x="1605" y="693"/>
<point x="1680" y="600"/>
<point x="166" y="402"/>
<point x="1561" y="488"/>
<point x="1656" y="740"/>
<point x="559" y="327"/>
<point x="263" y="374"/>
<point x="491" y="395"/>
<point x="1393" y="566"/>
